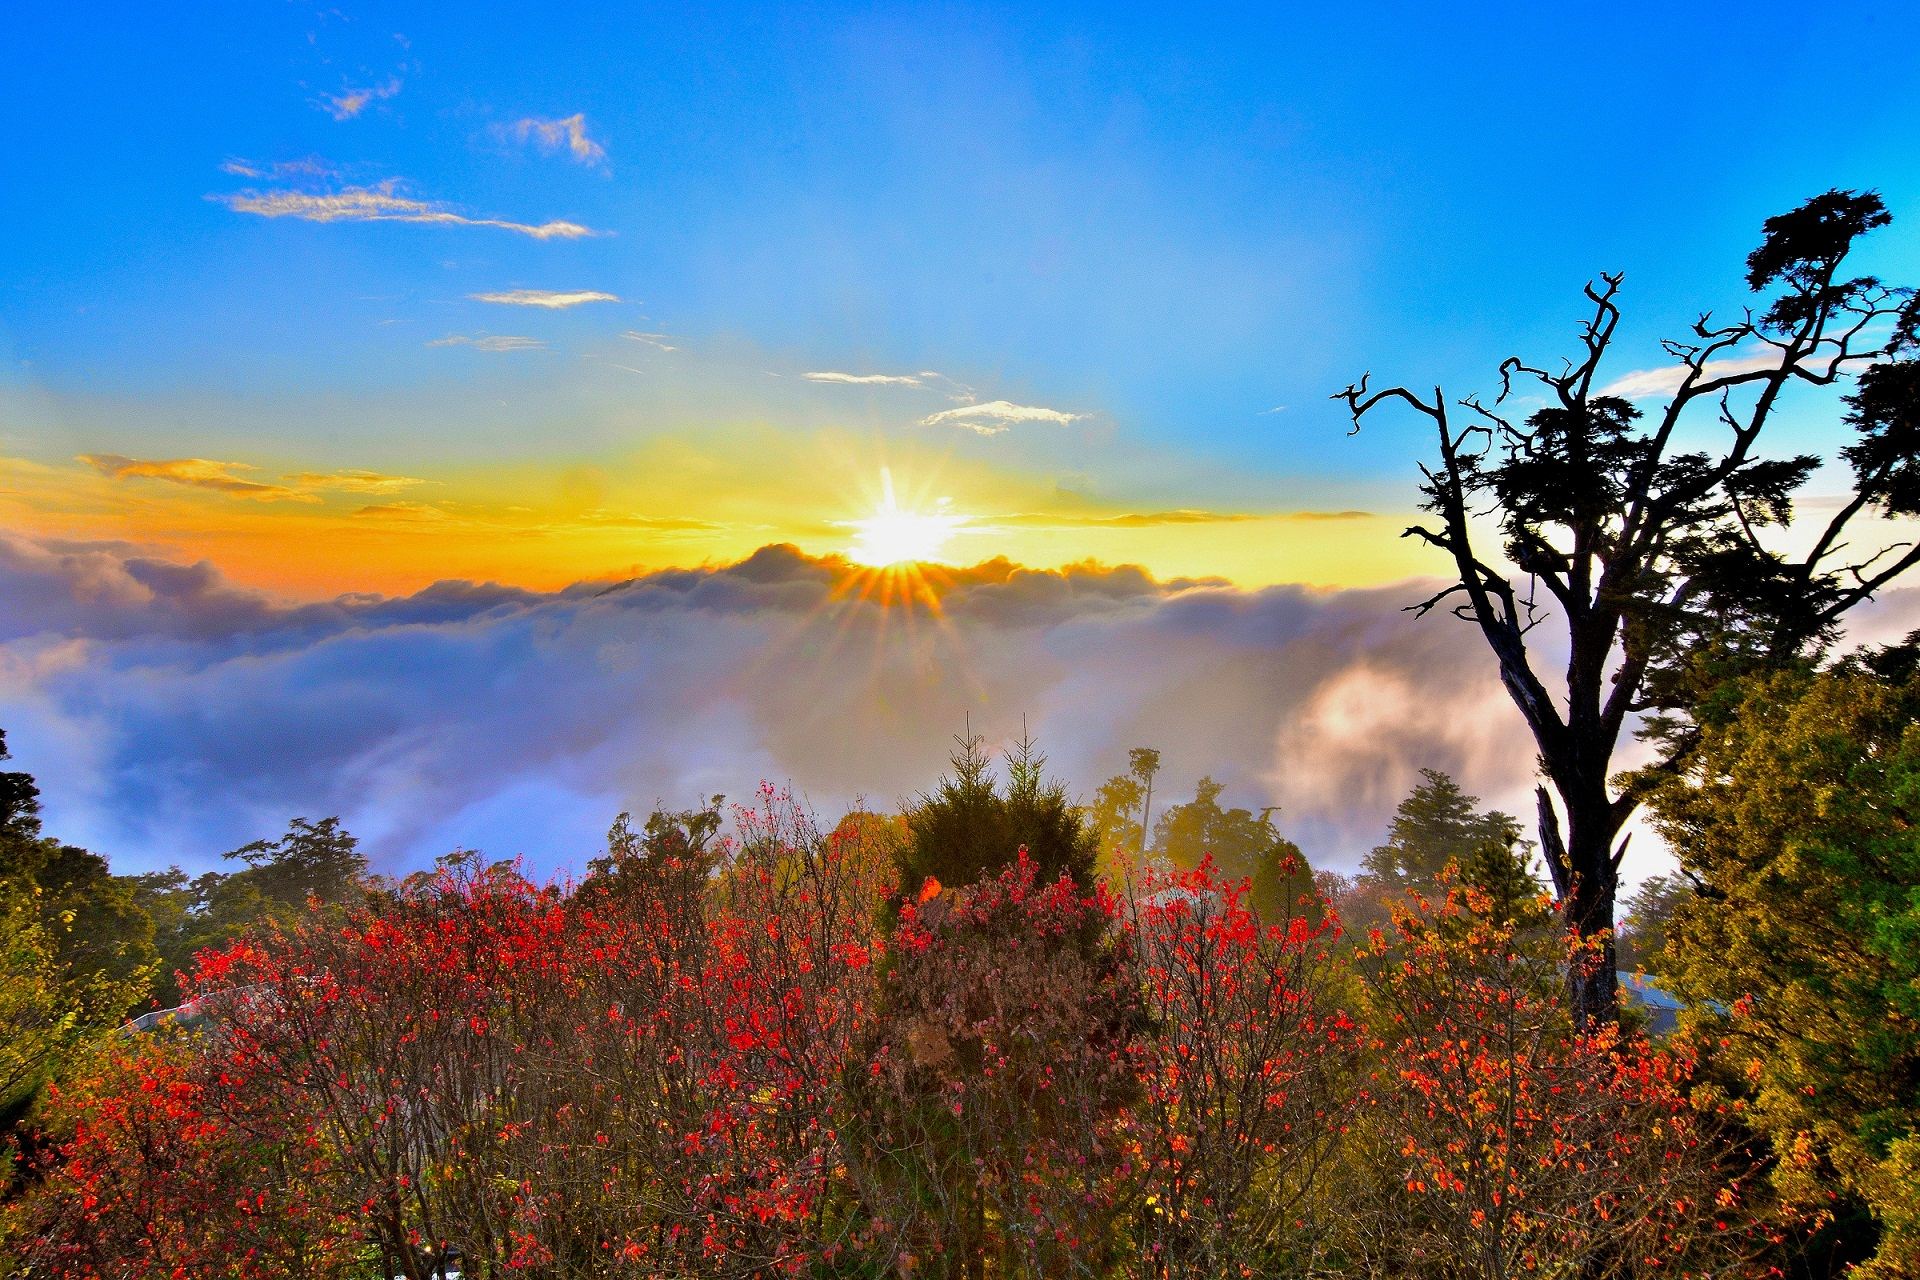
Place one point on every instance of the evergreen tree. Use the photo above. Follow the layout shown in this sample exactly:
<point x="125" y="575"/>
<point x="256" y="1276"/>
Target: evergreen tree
<point x="1437" y="825"/>
<point x="1438" y="831"/>
<point x="1798" y="953"/>
<point x="1651" y="556"/>
<point x="967" y="829"/>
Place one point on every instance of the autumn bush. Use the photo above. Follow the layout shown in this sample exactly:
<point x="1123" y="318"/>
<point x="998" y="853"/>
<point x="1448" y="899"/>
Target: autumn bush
<point x="761" y="1054"/>
<point x="1491" y="1140"/>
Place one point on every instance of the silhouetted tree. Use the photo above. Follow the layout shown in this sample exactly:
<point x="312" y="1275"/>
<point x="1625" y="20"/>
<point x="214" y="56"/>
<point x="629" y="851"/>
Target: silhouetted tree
<point x="1651" y="559"/>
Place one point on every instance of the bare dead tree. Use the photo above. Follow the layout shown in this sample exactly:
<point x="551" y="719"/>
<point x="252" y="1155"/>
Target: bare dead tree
<point x="1653" y="560"/>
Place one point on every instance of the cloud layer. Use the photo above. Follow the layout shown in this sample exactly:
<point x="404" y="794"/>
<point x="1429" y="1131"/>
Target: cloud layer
<point x="171" y="714"/>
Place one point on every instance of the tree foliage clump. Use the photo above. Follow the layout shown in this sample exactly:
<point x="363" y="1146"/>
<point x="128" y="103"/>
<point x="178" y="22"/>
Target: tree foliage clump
<point x="1238" y="845"/>
<point x="1440" y="838"/>
<point x="1798" y="824"/>
<point x="968" y="829"/>
<point x="313" y="862"/>
<point x="1495" y="1139"/>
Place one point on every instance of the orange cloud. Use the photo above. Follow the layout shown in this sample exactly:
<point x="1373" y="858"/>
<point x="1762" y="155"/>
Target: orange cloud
<point x="196" y="473"/>
<point x="353" y="481"/>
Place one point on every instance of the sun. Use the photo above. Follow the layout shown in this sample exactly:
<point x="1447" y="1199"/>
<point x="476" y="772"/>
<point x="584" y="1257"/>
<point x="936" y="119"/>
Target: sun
<point x="891" y="536"/>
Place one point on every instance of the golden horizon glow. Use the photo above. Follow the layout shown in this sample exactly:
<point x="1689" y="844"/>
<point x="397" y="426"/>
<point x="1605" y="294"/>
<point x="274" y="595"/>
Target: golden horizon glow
<point x="660" y="503"/>
<point x="894" y="537"/>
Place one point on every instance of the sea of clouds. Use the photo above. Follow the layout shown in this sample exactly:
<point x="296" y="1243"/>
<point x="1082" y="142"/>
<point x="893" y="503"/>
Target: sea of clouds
<point x="171" y="714"/>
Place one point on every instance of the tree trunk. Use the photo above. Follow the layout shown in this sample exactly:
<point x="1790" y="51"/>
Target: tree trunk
<point x="1586" y="881"/>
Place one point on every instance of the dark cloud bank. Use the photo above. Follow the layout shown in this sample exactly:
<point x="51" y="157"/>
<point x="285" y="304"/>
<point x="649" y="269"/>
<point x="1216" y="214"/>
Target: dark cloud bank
<point x="171" y="714"/>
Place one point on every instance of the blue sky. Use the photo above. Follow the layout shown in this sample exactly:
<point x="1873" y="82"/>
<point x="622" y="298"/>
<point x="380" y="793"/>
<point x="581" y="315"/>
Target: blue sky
<point x="1179" y="218"/>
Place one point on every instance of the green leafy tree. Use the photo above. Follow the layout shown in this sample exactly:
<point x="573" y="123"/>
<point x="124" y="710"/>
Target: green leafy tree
<point x="968" y="828"/>
<point x="101" y="937"/>
<point x="1654" y="563"/>
<point x="314" y="862"/>
<point x="1114" y="815"/>
<point x="39" y="1018"/>
<point x="1798" y="821"/>
<point x="1439" y="829"/>
<point x="1242" y="845"/>
<point x="76" y="952"/>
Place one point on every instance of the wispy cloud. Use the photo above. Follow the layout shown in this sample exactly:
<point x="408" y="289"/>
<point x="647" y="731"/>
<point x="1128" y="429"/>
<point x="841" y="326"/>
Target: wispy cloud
<point x="351" y="102"/>
<point x="195" y="473"/>
<point x="1132" y="520"/>
<point x="1159" y="519"/>
<point x="993" y="417"/>
<point x="353" y="481"/>
<point x="866" y="379"/>
<point x="552" y="135"/>
<point x="1642" y="383"/>
<point x="491" y="342"/>
<point x="380" y="203"/>
<point x="279" y="171"/>
<point x="403" y="512"/>
<point x="548" y="298"/>
<point x="654" y="340"/>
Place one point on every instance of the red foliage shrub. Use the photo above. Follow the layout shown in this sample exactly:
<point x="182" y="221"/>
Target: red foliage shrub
<point x="1498" y="1143"/>
<point x="991" y="1115"/>
<point x="165" y="1165"/>
<point x="711" y="1059"/>
<point x="1243" y="1077"/>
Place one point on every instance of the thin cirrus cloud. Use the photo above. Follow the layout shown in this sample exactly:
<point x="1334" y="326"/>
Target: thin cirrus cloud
<point x="495" y="342"/>
<point x="1130" y="520"/>
<point x="402" y="512"/>
<point x="865" y="379"/>
<point x="207" y="473"/>
<point x="552" y="300"/>
<point x="995" y="416"/>
<point x="1644" y="383"/>
<point x="195" y="473"/>
<point x="380" y="203"/>
<point x="311" y="167"/>
<point x="658" y="341"/>
<point x="353" y="481"/>
<point x="351" y="102"/>
<point x="1163" y="519"/>
<point x="569" y="134"/>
